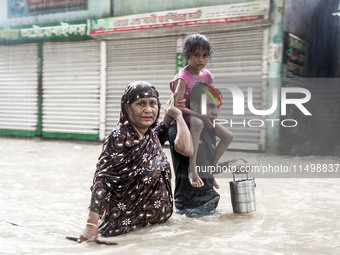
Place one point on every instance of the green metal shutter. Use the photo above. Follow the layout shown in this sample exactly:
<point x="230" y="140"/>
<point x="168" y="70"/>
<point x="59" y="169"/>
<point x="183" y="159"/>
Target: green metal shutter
<point x="18" y="89"/>
<point x="71" y="81"/>
<point x="148" y="59"/>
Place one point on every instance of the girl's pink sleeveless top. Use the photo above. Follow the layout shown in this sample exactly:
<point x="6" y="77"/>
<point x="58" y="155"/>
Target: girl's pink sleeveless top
<point x="190" y="81"/>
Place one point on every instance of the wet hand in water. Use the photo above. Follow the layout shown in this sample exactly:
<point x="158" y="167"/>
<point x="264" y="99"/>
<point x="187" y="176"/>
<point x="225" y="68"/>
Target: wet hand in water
<point x="89" y="234"/>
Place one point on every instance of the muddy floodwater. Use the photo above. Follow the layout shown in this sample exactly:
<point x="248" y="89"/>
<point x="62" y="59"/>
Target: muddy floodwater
<point x="45" y="191"/>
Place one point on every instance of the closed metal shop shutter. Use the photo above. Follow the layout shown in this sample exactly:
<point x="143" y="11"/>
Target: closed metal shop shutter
<point x="71" y="81"/>
<point x="18" y="89"/>
<point x="148" y="59"/>
<point x="238" y="60"/>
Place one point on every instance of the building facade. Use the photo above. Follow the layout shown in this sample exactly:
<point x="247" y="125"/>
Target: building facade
<point x="63" y="77"/>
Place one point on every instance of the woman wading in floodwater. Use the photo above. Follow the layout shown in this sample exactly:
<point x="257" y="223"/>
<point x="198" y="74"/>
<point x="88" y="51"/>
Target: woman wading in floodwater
<point x="132" y="184"/>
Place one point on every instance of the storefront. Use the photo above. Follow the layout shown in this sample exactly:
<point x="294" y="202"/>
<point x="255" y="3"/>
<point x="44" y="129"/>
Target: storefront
<point x="70" y="87"/>
<point x="49" y="81"/>
<point x="147" y="47"/>
<point x="18" y="88"/>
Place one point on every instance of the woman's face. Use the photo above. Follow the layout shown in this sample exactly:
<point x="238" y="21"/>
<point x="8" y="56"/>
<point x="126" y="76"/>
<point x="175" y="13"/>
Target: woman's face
<point x="142" y="113"/>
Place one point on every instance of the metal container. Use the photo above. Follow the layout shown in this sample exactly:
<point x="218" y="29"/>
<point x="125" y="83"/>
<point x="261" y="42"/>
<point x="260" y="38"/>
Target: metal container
<point x="243" y="195"/>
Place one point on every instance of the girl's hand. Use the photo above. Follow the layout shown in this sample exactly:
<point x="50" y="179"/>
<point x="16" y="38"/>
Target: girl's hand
<point x="181" y="103"/>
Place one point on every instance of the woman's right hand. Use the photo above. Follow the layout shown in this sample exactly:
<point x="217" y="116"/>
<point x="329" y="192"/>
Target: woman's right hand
<point x="171" y="110"/>
<point x="89" y="234"/>
<point x="91" y="230"/>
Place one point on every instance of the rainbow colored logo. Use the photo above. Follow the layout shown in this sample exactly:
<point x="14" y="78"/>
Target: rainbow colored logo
<point x="208" y="92"/>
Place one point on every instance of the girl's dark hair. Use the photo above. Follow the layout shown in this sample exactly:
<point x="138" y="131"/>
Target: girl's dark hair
<point x="191" y="42"/>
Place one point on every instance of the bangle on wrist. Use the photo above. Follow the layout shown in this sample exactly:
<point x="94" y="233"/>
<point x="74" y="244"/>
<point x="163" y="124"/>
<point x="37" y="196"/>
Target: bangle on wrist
<point x="91" y="224"/>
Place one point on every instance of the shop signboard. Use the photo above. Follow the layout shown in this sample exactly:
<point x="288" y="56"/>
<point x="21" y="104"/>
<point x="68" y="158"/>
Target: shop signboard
<point x="185" y="17"/>
<point x="44" y="31"/>
<point x="19" y="8"/>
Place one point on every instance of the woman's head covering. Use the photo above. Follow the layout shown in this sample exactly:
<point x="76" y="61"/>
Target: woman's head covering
<point x="135" y="91"/>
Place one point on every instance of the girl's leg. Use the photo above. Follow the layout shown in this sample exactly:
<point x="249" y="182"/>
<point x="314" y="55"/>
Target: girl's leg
<point x="196" y="127"/>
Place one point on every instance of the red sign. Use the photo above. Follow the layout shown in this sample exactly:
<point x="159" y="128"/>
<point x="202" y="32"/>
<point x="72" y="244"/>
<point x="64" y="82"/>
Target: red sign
<point x="184" y="17"/>
<point x="175" y="24"/>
